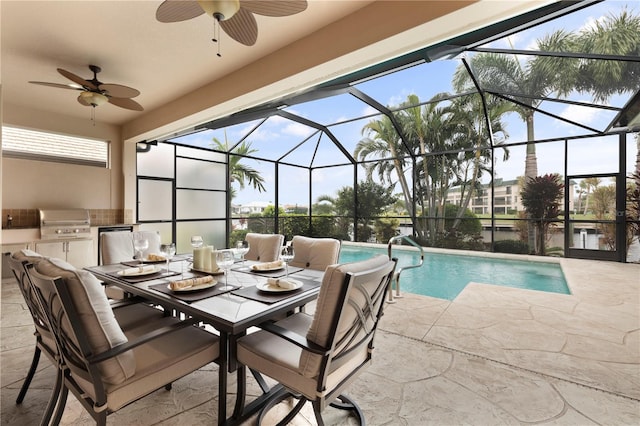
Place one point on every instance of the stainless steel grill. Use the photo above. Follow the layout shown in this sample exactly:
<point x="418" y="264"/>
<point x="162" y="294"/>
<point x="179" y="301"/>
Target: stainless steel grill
<point x="64" y="224"/>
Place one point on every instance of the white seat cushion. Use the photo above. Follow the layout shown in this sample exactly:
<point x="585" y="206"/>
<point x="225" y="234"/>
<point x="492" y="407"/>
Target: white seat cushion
<point x="332" y="284"/>
<point x="264" y="247"/>
<point x="315" y="253"/>
<point x="94" y="310"/>
<point x="160" y="361"/>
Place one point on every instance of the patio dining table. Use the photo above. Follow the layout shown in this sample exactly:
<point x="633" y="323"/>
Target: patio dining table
<point x="231" y="312"/>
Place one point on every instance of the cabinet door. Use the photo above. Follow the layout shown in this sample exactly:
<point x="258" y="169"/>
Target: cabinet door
<point x="80" y="253"/>
<point x="51" y="249"/>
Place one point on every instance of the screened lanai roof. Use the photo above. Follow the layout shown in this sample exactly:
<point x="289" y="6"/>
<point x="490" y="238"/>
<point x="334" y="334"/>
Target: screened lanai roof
<point x="322" y="127"/>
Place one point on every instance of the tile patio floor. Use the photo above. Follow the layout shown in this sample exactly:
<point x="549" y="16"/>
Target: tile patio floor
<point x="495" y="355"/>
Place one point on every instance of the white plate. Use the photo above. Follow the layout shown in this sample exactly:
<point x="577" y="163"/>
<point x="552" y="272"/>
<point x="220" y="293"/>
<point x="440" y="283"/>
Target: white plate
<point x="126" y="273"/>
<point x="194" y="288"/>
<point x="274" y="289"/>
<point x="275" y="268"/>
<point x="218" y="272"/>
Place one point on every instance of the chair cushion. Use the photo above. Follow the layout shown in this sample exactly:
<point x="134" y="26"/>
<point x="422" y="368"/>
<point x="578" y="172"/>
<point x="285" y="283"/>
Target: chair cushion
<point x="26" y="254"/>
<point x="154" y="241"/>
<point x="94" y="310"/>
<point x="160" y="361"/>
<point x="315" y="253"/>
<point x="332" y="283"/>
<point x="116" y="247"/>
<point x="280" y="359"/>
<point x="264" y="247"/>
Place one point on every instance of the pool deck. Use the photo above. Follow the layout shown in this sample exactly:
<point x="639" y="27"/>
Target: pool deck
<point x="494" y="355"/>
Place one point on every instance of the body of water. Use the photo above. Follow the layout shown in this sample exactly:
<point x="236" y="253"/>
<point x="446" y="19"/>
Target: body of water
<point x="445" y="275"/>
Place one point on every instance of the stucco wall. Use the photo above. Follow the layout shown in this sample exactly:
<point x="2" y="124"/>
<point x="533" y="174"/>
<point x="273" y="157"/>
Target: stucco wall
<point x="35" y="184"/>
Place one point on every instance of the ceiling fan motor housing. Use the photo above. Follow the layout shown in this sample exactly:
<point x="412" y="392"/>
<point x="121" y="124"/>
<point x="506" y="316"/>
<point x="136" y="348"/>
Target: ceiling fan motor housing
<point x="220" y="9"/>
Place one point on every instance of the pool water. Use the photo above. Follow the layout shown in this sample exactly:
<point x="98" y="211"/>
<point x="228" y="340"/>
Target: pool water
<point x="445" y="275"/>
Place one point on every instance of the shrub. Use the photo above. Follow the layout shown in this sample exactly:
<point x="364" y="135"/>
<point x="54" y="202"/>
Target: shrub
<point x="511" y="246"/>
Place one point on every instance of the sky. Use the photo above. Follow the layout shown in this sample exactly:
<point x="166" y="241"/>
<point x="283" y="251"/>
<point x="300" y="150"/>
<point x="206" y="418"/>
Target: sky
<point x="281" y="139"/>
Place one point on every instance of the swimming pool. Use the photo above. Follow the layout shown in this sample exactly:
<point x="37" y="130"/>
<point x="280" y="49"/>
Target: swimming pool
<point x="445" y="275"/>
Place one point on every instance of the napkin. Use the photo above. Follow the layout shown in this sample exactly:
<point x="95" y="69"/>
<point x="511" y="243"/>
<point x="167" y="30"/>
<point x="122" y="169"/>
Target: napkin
<point x="152" y="257"/>
<point x="138" y="270"/>
<point x="191" y="282"/>
<point x="266" y="265"/>
<point x="282" y="283"/>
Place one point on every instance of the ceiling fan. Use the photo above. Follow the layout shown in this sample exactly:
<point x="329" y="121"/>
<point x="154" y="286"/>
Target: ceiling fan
<point x="235" y="16"/>
<point x="95" y="93"/>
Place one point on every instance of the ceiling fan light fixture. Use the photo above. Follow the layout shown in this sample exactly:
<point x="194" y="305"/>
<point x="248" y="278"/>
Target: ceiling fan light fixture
<point x="92" y="98"/>
<point x="221" y="10"/>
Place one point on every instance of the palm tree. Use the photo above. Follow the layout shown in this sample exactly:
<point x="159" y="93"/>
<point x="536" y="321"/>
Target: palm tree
<point x="238" y="172"/>
<point x="614" y="35"/>
<point x="588" y="185"/>
<point x="381" y="140"/>
<point x="429" y="130"/>
<point x="468" y="113"/>
<point x="506" y="74"/>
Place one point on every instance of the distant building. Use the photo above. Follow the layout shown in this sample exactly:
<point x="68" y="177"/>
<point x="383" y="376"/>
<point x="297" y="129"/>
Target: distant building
<point x="506" y="198"/>
<point x="250" y="208"/>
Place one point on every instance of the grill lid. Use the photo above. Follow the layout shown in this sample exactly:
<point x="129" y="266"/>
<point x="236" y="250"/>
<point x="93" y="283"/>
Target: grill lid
<point x="64" y="224"/>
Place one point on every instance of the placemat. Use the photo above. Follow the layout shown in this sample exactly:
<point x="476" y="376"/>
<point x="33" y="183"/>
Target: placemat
<point x="136" y="263"/>
<point x="253" y="293"/>
<point x="267" y="274"/>
<point x="192" y="296"/>
<point x="141" y="278"/>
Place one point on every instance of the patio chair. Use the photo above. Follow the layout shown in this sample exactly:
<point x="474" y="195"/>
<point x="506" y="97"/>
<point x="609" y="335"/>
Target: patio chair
<point x="45" y="342"/>
<point x="129" y="315"/>
<point x="116" y="247"/>
<point x="104" y="365"/>
<point x="315" y="357"/>
<point x="314" y="253"/>
<point x="264" y="247"/>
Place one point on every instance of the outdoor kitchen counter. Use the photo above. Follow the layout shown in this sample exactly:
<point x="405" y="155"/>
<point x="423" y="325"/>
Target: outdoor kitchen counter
<point x="20" y="235"/>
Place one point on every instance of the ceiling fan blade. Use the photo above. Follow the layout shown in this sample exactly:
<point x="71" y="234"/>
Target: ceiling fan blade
<point x="178" y="10"/>
<point x="78" y="80"/>
<point x="242" y="27"/>
<point x="72" y="86"/>
<point x="126" y="103"/>
<point x="119" y="91"/>
<point x="274" y="7"/>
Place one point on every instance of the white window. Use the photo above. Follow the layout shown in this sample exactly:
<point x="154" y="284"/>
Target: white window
<point x="43" y="146"/>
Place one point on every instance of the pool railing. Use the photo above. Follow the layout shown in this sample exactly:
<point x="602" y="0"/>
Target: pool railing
<point x="398" y="239"/>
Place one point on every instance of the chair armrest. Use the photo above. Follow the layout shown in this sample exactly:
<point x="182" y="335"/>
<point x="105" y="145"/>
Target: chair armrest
<point x="117" y="350"/>
<point x="294" y="338"/>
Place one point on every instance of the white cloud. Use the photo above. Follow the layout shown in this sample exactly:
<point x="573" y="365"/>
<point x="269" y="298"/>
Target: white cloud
<point x="297" y="129"/>
<point x="579" y="114"/>
<point x="262" y="134"/>
<point x="368" y="110"/>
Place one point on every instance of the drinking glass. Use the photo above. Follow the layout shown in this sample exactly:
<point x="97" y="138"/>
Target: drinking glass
<point x="168" y="250"/>
<point x="196" y="241"/>
<point x="225" y="260"/>
<point x="286" y="255"/>
<point x="140" y="245"/>
<point x="242" y="247"/>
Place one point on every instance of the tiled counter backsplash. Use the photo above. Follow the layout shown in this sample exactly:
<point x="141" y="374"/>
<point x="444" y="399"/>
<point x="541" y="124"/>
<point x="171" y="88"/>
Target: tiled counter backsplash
<point x="30" y="218"/>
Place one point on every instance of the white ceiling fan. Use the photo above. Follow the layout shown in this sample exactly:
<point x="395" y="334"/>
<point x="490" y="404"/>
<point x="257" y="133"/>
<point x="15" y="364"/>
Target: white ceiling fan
<point x="235" y="16"/>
